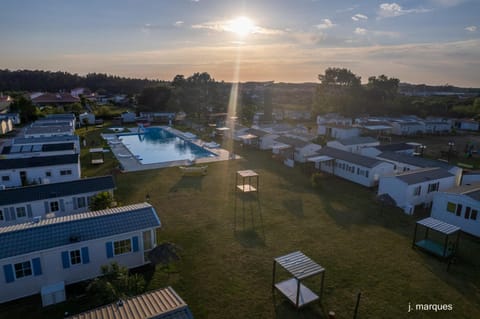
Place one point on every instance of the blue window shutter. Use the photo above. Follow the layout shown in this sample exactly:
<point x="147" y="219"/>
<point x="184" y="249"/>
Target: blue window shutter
<point x="135" y="243"/>
<point x="47" y="207"/>
<point x="85" y="255"/>
<point x="37" y="267"/>
<point x="65" y="259"/>
<point x="75" y="206"/>
<point x="8" y="271"/>
<point x="62" y="205"/>
<point x="29" y="210"/>
<point x="109" y="246"/>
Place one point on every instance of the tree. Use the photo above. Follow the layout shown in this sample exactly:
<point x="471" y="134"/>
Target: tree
<point x="339" y="77"/>
<point x="24" y="106"/>
<point x="101" y="201"/>
<point x="154" y="99"/>
<point x="116" y="283"/>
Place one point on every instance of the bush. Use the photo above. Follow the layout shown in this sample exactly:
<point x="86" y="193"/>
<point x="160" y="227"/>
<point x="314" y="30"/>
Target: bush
<point x="317" y="179"/>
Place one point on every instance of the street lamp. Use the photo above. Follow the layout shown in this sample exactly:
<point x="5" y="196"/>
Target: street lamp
<point x="422" y="149"/>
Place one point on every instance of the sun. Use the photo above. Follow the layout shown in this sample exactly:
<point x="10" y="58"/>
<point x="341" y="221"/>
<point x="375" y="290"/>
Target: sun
<point x="242" y="26"/>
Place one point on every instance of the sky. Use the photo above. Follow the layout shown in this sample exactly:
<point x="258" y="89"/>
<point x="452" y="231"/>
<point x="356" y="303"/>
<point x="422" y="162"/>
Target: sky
<point x="418" y="41"/>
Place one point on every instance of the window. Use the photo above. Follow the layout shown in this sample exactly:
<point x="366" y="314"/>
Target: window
<point x="451" y="207"/>
<point x="5" y="178"/>
<point x="54" y="207"/>
<point x="473" y="215"/>
<point x="122" y="246"/>
<point x="1" y="215"/>
<point x="75" y="257"/>
<point x="48" y="174"/>
<point x="433" y="187"/>
<point x="417" y="190"/>
<point x="66" y="172"/>
<point x="147" y="240"/>
<point x="467" y="212"/>
<point x="81" y="202"/>
<point x="459" y="209"/>
<point x="21" y="212"/>
<point x="358" y="171"/>
<point x="366" y="173"/>
<point x="23" y="269"/>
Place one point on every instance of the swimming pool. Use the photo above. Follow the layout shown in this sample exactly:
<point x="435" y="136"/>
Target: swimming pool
<point x="156" y="145"/>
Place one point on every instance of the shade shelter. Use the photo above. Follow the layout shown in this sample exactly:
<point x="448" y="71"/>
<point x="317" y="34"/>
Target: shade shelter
<point x="300" y="267"/>
<point x="94" y="157"/>
<point x="246" y="181"/>
<point x="445" y="250"/>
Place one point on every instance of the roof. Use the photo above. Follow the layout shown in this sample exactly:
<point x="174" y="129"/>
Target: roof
<point x="358" y="140"/>
<point x="438" y="225"/>
<point x="414" y="160"/>
<point x="299" y="265"/>
<point x="38" y="161"/>
<point x="472" y="191"/>
<point x="395" y="147"/>
<point x="55" y="98"/>
<point x="296" y="142"/>
<point x="15" y="149"/>
<point x="47" y="139"/>
<point x="46" y="191"/>
<point x="158" y="304"/>
<point x="48" y="129"/>
<point x="48" y="233"/>
<point x="69" y="116"/>
<point x="423" y="175"/>
<point x="353" y="158"/>
<point x="257" y="132"/>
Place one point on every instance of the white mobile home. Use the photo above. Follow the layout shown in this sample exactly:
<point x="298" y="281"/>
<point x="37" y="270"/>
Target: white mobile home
<point x="467" y="125"/>
<point x="405" y="128"/>
<point x="354" y="144"/>
<point x="18" y="172"/>
<point x="259" y="138"/>
<point x="415" y="188"/>
<point x="48" y="131"/>
<point x="65" y="250"/>
<point x="300" y="149"/>
<point x="359" y="169"/>
<point x="437" y="127"/>
<point x="23" y="204"/>
<point x="459" y="206"/>
<point x="374" y="151"/>
<point x="86" y="118"/>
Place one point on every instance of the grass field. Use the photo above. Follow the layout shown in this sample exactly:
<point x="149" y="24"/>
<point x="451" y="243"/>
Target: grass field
<point x="229" y="241"/>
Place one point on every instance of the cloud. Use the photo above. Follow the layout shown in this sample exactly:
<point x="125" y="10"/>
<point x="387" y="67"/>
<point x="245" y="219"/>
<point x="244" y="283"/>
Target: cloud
<point x="226" y="26"/>
<point x="389" y="10"/>
<point x="471" y="28"/>
<point x="178" y="23"/>
<point x="359" y="17"/>
<point x="447" y="3"/>
<point x="326" y="24"/>
<point x="360" y="31"/>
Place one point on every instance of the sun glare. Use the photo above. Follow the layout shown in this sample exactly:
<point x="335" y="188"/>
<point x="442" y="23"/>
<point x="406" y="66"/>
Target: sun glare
<point x="241" y="26"/>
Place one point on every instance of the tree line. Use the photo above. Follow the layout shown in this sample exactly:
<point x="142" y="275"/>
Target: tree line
<point x="341" y="91"/>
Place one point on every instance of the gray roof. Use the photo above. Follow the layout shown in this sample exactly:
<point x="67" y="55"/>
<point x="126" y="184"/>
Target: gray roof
<point x="48" y="129"/>
<point x="257" y="132"/>
<point x="472" y="191"/>
<point x="414" y="160"/>
<point x="39" y="161"/>
<point x="353" y="158"/>
<point x="49" y="139"/>
<point x="423" y="175"/>
<point x="46" y="191"/>
<point x="358" y="140"/>
<point x="296" y="142"/>
<point x="69" y="116"/>
<point x="28" y="148"/>
<point x="25" y="238"/>
<point x="395" y="147"/>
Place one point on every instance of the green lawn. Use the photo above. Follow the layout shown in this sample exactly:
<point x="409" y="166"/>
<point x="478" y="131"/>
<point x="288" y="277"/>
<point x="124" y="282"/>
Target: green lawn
<point x="229" y="242"/>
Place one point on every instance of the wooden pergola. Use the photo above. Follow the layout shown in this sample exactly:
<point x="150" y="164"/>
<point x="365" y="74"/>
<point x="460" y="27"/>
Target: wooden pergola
<point x="246" y="177"/>
<point x="300" y="267"/>
<point x="445" y="250"/>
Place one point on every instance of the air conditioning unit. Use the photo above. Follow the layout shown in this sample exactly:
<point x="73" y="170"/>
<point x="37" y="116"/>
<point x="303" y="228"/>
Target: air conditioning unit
<point x="37" y="219"/>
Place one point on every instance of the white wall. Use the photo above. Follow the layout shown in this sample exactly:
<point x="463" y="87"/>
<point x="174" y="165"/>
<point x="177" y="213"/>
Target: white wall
<point x="439" y="211"/>
<point x="39" y="174"/>
<point x="53" y="271"/>
<point x="267" y="141"/>
<point x="306" y="151"/>
<point x="356" y="148"/>
<point x="353" y="174"/>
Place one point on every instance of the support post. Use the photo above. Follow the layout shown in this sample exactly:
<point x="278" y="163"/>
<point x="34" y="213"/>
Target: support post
<point x="356" y="306"/>
<point x="298" y="293"/>
<point x="321" y="285"/>
<point x="273" y="276"/>
<point x="445" y="247"/>
<point x="414" y="236"/>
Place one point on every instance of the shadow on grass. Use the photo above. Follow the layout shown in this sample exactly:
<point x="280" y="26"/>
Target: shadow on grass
<point x="248" y="225"/>
<point x="187" y="183"/>
<point x="285" y="310"/>
<point x="294" y="206"/>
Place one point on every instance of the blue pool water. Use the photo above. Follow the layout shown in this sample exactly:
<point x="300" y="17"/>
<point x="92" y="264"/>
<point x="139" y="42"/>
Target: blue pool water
<point x="156" y="145"/>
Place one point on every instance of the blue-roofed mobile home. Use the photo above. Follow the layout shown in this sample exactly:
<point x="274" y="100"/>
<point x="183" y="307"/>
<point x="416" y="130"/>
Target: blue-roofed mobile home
<point x="72" y="248"/>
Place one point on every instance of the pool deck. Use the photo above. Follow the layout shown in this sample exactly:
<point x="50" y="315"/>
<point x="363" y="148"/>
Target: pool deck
<point x="130" y="163"/>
